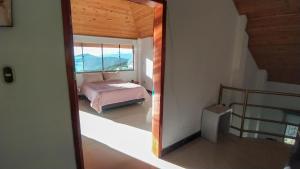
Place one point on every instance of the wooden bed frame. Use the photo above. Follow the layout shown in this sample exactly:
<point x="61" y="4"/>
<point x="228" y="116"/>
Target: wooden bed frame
<point x="116" y="105"/>
<point x="122" y="104"/>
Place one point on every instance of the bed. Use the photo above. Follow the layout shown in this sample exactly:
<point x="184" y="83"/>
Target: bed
<point x="109" y="94"/>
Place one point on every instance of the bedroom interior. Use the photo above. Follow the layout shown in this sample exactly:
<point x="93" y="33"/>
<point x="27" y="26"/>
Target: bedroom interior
<point x="114" y="62"/>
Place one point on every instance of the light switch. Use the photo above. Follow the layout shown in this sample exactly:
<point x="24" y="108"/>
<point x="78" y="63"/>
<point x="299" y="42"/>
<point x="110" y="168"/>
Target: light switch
<point x="8" y="74"/>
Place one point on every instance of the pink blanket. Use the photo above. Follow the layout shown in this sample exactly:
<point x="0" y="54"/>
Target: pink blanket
<point x="110" y="92"/>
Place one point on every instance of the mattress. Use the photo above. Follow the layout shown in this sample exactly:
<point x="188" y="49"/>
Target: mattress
<point x="111" y="92"/>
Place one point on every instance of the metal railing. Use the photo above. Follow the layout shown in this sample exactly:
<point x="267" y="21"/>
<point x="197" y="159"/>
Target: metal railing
<point x="245" y="104"/>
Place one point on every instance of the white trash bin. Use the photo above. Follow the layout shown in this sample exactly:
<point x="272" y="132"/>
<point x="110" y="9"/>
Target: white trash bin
<point x="215" y="122"/>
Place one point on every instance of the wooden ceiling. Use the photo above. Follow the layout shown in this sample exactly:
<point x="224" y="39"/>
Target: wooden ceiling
<point x="112" y="18"/>
<point x="274" y="32"/>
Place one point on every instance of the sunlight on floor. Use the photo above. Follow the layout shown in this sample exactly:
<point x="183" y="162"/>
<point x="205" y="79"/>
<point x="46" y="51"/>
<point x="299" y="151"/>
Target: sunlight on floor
<point x="126" y="139"/>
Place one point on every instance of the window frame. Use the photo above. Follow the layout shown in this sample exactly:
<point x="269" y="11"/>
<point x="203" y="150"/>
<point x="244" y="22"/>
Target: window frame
<point x="82" y="45"/>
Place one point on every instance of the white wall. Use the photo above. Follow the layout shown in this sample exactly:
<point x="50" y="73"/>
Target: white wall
<point x="199" y="55"/>
<point x="245" y="72"/>
<point x="249" y="77"/>
<point x="125" y="75"/>
<point x="145" y="47"/>
<point x="240" y="53"/>
<point x="35" y="119"/>
<point x="254" y="78"/>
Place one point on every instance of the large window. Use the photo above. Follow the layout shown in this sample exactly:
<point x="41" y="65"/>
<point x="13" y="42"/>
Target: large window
<point x="103" y="57"/>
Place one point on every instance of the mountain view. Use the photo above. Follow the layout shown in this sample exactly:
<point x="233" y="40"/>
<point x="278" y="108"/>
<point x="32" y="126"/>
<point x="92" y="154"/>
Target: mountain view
<point x="110" y="62"/>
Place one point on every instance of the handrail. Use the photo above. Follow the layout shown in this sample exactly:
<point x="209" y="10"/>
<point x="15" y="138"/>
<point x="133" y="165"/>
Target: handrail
<point x="245" y="105"/>
<point x="266" y="120"/>
<point x="297" y="112"/>
<point x="261" y="91"/>
<point x="262" y="132"/>
<point x="246" y="94"/>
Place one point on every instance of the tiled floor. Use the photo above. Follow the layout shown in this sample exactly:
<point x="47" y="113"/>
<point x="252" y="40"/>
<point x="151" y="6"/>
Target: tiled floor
<point x="137" y="115"/>
<point x="117" y="127"/>
<point x="126" y="129"/>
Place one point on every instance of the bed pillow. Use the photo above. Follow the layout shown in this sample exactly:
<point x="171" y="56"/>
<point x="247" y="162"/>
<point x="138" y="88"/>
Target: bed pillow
<point x="92" y="77"/>
<point x="111" y="75"/>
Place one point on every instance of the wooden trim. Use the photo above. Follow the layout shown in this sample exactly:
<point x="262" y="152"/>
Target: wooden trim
<point x="84" y="44"/>
<point x="159" y="37"/>
<point x="11" y="16"/>
<point x="161" y="12"/>
<point x="157" y="77"/>
<point x="181" y="143"/>
<point x="68" y="43"/>
<point x="82" y="34"/>
<point x="106" y="45"/>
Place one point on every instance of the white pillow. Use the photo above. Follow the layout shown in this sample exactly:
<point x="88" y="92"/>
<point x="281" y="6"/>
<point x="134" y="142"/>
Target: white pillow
<point x="92" y="77"/>
<point x="111" y="76"/>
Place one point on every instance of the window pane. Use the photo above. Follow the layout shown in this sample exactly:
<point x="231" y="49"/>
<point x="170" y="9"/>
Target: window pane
<point x="126" y="58"/>
<point x="149" y="68"/>
<point x="111" y="58"/>
<point x="92" y="59"/>
<point x="78" y="59"/>
<point x="290" y="131"/>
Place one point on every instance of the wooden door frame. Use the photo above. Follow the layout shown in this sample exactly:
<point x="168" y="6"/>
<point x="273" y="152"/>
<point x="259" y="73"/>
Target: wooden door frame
<point x="159" y="44"/>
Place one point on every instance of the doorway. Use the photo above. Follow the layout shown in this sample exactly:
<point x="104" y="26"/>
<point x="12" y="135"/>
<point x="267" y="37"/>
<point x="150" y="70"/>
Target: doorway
<point x="158" y="74"/>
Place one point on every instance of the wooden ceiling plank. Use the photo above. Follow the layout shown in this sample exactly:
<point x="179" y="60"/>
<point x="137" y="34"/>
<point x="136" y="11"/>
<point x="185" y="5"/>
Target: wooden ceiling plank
<point x="274" y="36"/>
<point x="262" y="8"/>
<point x="292" y="20"/>
<point x="111" y="5"/>
<point x="112" y="18"/>
<point x="144" y="19"/>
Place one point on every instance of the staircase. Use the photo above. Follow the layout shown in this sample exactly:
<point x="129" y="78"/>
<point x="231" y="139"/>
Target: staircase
<point x="258" y="114"/>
